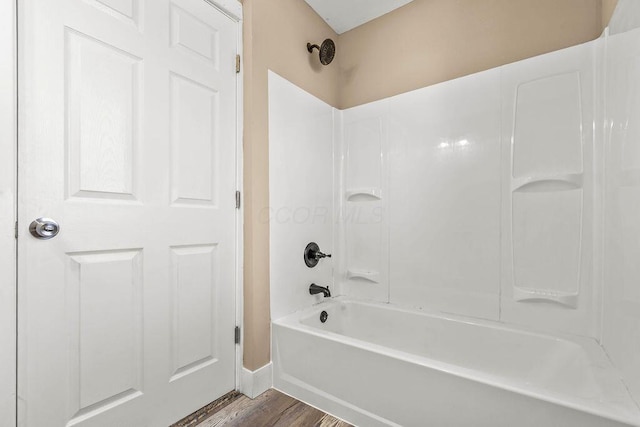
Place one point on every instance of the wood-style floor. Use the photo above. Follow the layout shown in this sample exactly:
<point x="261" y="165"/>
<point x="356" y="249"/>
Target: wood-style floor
<point x="270" y="409"/>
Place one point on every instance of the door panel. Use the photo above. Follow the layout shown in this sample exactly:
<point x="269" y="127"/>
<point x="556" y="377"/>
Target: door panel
<point x="106" y="289"/>
<point x="194" y="283"/>
<point x="127" y="121"/>
<point x="194" y="110"/>
<point x="102" y="105"/>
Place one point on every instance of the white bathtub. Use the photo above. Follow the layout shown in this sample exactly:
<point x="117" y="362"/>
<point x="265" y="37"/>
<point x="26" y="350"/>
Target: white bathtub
<point x="376" y="365"/>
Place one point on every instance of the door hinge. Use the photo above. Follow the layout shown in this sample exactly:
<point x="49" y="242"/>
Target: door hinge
<point x="15" y="230"/>
<point x="237" y="335"/>
<point x="237" y="200"/>
<point x="237" y="63"/>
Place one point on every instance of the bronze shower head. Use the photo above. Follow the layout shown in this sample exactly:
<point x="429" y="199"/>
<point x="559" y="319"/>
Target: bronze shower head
<point x="327" y="51"/>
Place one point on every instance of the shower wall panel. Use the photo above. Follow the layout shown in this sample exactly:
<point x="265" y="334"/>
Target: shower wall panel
<point x="438" y="149"/>
<point x="486" y="188"/>
<point x="301" y="194"/>
<point x="621" y="309"/>
<point x="444" y="212"/>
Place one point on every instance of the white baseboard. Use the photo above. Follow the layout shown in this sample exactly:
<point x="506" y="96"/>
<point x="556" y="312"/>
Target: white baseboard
<point x="254" y="383"/>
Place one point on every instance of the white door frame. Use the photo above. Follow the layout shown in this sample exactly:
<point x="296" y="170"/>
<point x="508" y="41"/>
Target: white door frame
<point x="236" y="14"/>
<point x="8" y="205"/>
<point x="233" y="9"/>
<point x="8" y="186"/>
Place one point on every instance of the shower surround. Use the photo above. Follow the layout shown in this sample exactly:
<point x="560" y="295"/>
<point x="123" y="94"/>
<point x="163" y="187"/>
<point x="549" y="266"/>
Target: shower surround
<point x="484" y="233"/>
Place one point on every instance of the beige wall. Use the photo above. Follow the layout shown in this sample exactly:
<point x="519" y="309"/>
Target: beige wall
<point x="430" y="41"/>
<point x="276" y="33"/>
<point x="425" y="42"/>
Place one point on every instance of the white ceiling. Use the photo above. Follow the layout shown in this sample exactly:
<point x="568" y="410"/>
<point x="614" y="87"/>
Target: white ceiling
<point x="343" y="15"/>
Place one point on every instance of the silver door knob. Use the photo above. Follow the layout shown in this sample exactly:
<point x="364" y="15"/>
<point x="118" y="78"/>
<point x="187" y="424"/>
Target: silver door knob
<point x="44" y="228"/>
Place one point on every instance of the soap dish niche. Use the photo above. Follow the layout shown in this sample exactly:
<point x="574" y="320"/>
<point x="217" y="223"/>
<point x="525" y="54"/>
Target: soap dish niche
<point x="364" y="275"/>
<point x="560" y="182"/>
<point x="563" y="298"/>
<point x="364" y="195"/>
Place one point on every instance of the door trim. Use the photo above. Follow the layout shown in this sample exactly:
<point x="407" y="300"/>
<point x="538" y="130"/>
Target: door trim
<point x="8" y="187"/>
<point x="233" y="10"/>
<point x="239" y="187"/>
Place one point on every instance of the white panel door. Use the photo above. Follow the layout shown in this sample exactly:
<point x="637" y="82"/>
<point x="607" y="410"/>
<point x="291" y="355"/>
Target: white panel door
<point x="127" y="139"/>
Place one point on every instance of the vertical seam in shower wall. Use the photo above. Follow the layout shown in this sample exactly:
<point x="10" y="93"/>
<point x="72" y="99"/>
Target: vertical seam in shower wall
<point x="339" y="188"/>
<point x="583" y="157"/>
<point x="341" y="231"/>
<point x="509" y="180"/>
<point x="335" y="202"/>
<point x="386" y="205"/>
<point x="341" y="206"/>
<point x="606" y="134"/>
<point x="502" y="198"/>
<point x="596" y="169"/>
<point x="600" y="66"/>
<point x="387" y="171"/>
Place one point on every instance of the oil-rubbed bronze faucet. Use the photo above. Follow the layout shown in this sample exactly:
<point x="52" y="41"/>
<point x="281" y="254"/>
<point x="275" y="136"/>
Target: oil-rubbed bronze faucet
<point x="315" y="289"/>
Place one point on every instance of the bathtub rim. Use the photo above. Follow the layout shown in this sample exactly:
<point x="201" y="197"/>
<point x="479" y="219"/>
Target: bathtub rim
<point x="293" y="321"/>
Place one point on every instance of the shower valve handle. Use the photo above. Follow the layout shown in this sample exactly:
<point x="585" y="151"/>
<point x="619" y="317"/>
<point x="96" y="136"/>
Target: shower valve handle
<point x="312" y="255"/>
<point x="318" y="255"/>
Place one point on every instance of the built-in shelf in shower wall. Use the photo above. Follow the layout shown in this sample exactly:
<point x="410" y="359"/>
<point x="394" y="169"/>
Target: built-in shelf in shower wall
<point x="546" y="202"/>
<point x="369" y="276"/>
<point x="549" y="183"/>
<point x="363" y="194"/>
<point x="363" y="206"/>
<point x="547" y="148"/>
